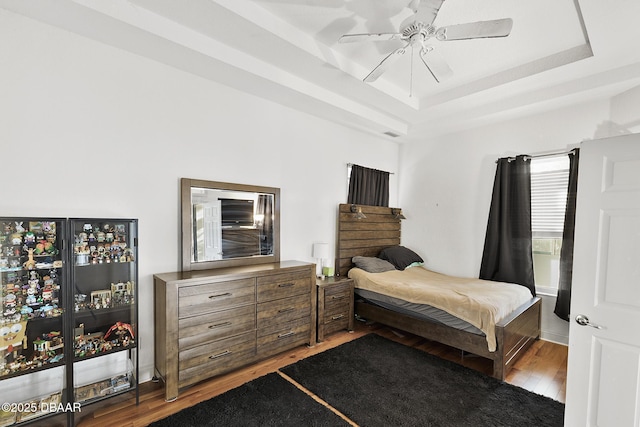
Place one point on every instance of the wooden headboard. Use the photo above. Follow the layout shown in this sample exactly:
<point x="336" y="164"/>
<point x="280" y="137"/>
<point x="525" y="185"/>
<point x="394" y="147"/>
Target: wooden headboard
<point x="366" y="236"/>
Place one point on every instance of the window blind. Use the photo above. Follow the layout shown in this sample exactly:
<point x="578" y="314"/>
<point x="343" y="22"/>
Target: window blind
<point x="548" y="200"/>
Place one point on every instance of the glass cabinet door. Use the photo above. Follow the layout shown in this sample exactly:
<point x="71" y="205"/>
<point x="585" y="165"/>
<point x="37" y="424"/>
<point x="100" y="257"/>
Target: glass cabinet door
<point x="104" y="312"/>
<point x="33" y="270"/>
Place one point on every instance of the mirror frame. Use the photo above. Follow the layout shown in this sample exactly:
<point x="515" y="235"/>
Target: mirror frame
<point x="186" y="224"/>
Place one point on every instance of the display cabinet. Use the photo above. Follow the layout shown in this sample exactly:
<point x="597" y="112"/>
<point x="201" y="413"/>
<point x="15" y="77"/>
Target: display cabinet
<point x="68" y="318"/>
<point x="104" y="317"/>
<point x="33" y="272"/>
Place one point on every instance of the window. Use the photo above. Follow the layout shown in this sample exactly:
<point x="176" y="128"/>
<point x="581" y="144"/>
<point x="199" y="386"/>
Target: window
<point x="549" y="182"/>
<point x="368" y="186"/>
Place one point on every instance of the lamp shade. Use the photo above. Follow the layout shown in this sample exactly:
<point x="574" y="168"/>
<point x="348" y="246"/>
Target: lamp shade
<point x="320" y="250"/>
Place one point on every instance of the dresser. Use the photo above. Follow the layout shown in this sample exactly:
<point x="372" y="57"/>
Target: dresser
<point x="209" y="322"/>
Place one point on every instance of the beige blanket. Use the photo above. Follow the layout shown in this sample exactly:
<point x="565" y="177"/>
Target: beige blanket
<point x="482" y="303"/>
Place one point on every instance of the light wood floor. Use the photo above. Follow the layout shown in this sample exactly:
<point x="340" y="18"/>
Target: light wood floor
<point x="541" y="370"/>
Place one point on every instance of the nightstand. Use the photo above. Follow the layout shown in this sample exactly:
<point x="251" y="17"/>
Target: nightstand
<point x="335" y="305"/>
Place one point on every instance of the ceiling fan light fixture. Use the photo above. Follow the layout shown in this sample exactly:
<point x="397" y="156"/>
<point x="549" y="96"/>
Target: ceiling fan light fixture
<point x="418" y="28"/>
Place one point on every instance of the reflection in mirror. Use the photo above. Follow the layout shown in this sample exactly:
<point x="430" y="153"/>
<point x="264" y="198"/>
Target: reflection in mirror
<point x="228" y="224"/>
<point x="231" y="224"/>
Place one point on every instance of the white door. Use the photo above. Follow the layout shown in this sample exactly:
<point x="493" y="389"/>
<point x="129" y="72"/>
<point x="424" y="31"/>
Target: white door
<point x="603" y="379"/>
<point x="208" y="240"/>
<point x="212" y="226"/>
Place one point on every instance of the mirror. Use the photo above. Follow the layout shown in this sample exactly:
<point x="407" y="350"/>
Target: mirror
<point x="226" y="224"/>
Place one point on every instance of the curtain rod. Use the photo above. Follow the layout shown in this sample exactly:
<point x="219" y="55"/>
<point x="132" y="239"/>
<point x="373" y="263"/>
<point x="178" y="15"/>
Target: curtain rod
<point x="353" y="164"/>
<point x="535" y="156"/>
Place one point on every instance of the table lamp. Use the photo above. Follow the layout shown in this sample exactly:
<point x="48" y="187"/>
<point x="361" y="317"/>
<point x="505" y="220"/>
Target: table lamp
<point x="320" y="252"/>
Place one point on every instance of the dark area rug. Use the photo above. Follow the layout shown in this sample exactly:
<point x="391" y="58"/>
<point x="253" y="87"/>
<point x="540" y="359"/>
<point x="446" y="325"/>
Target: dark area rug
<point x="378" y="382"/>
<point x="266" y="401"/>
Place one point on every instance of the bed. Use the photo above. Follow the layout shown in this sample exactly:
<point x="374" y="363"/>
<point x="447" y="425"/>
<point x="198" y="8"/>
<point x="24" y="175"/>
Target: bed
<point x="515" y="327"/>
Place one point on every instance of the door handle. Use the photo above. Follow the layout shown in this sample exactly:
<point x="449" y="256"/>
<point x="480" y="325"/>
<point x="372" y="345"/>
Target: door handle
<point x="583" y="320"/>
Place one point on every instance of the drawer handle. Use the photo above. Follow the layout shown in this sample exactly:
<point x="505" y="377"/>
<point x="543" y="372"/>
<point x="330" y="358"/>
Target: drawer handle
<point x="339" y="316"/>
<point x="285" y="285"/>
<point x="226" y="294"/>
<point x="284" y="310"/>
<point x="224" y="353"/>
<point x="219" y="325"/>
<point x="338" y="296"/>
<point x="286" y="334"/>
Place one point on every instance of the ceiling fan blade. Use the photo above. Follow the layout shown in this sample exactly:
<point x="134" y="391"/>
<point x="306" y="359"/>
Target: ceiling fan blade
<point x="372" y="37"/>
<point x="435" y="64"/>
<point x="427" y="10"/>
<point x="475" y="30"/>
<point x="424" y="11"/>
<point x="382" y="66"/>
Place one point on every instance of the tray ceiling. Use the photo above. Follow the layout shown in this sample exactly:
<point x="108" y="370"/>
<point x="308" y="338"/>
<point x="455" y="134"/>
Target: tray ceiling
<point x="559" y="52"/>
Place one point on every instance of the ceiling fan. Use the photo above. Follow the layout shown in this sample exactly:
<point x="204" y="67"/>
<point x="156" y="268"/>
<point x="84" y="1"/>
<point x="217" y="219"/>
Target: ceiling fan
<point x="416" y="31"/>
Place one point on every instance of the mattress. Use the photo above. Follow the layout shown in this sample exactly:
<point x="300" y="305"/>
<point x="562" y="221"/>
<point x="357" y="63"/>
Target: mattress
<point x="481" y="303"/>
<point x="421" y="311"/>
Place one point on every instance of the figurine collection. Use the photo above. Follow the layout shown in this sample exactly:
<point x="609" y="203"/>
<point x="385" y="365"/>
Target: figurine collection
<point x="31" y="271"/>
<point x="119" y="335"/>
<point x="30" y="263"/>
<point x="101" y="243"/>
<point x="120" y="294"/>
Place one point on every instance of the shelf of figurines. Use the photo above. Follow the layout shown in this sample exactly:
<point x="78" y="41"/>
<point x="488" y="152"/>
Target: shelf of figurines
<point x="101" y="244"/>
<point x="29" y="246"/>
<point x="30" y="295"/>
<point x="37" y="301"/>
<point x="120" y="296"/>
<point x="36" y="266"/>
<point x="119" y="337"/>
<point x="46" y="351"/>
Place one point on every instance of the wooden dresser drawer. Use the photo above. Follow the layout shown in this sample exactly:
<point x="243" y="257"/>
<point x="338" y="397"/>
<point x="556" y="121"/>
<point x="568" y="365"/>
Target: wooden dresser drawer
<point x="199" y="299"/>
<point x="283" y="285"/>
<point x="338" y="317"/>
<point x="337" y="297"/>
<point x="284" y="310"/>
<point x="197" y="330"/>
<point x="280" y="337"/>
<point x="215" y="358"/>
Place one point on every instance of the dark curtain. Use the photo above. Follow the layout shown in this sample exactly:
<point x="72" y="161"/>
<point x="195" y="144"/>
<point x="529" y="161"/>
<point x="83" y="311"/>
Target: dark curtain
<point x="265" y="207"/>
<point x="368" y="187"/>
<point x="507" y="255"/>
<point x="563" y="302"/>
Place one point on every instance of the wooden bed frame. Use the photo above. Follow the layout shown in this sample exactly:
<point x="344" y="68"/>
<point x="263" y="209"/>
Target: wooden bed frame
<point x="380" y="229"/>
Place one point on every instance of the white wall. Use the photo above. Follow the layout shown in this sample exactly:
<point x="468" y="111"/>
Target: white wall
<point x="625" y="112"/>
<point x="446" y="183"/>
<point x="91" y="131"/>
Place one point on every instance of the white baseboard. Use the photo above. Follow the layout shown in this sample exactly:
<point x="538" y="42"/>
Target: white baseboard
<point x="553" y="337"/>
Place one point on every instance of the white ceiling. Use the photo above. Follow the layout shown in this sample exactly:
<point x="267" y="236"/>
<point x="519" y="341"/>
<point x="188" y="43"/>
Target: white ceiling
<point x="559" y="52"/>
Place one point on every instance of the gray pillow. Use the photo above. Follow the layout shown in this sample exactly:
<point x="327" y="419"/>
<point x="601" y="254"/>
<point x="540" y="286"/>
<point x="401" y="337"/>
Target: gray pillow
<point x="372" y="264"/>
